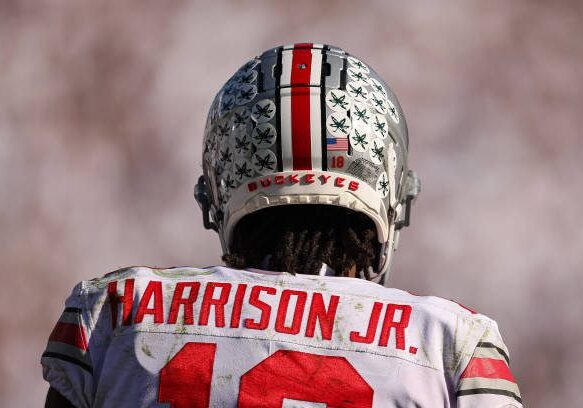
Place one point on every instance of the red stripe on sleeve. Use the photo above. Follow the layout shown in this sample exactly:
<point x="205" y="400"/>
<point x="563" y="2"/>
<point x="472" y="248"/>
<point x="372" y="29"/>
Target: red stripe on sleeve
<point x="69" y="333"/>
<point x="488" y="368"/>
<point x="300" y="107"/>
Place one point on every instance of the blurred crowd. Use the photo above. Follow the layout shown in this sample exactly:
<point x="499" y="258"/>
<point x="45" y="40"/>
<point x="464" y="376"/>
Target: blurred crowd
<point x="102" y="110"/>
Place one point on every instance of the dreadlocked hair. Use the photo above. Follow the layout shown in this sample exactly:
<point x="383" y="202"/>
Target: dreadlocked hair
<point x="299" y="238"/>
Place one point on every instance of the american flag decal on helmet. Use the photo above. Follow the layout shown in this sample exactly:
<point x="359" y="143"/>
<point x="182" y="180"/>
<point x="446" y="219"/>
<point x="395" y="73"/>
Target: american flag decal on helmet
<point x="488" y="372"/>
<point x="68" y="340"/>
<point x="339" y="144"/>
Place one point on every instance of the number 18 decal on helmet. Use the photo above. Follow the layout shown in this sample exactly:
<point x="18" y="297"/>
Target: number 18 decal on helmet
<point x="307" y="124"/>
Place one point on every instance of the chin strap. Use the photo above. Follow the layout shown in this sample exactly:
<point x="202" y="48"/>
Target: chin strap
<point x="202" y="198"/>
<point x="412" y="189"/>
<point x="399" y="217"/>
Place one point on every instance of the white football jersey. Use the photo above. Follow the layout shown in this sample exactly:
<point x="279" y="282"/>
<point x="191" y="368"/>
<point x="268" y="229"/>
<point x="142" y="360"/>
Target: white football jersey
<point x="218" y="337"/>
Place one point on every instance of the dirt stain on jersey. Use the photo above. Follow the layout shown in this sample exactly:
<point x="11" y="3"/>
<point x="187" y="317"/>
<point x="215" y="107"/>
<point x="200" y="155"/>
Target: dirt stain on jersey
<point x="181" y="272"/>
<point x="339" y="334"/>
<point x="280" y="283"/>
<point x="225" y="379"/>
<point x="180" y="327"/>
<point x="146" y="350"/>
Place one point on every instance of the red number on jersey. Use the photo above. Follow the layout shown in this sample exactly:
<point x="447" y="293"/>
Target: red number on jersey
<point x="186" y="380"/>
<point x="305" y="377"/>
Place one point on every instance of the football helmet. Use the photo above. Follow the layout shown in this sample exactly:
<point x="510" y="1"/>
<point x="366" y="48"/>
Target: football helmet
<point x="307" y="124"/>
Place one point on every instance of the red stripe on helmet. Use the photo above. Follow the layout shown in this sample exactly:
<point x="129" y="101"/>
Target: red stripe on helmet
<point x="300" y="106"/>
<point x="298" y="46"/>
<point x="488" y="368"/>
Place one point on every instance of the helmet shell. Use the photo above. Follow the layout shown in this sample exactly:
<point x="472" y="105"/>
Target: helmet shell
<point x="306" y="124"/>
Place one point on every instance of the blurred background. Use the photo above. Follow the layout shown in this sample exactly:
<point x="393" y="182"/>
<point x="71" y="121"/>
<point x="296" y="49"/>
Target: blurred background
<point x="102" y="109"/>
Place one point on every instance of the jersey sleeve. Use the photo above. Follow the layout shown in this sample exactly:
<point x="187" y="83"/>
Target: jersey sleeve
<point x="486" y="380"/>
<point x="66" y="361"/>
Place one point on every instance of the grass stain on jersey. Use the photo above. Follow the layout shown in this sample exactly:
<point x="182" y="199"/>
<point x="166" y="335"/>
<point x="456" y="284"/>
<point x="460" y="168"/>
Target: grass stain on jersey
<point x="180" y="327"/>
<point x="180" y="272"/>
<point x="225" y="379"/>
<point x="146" y="350"/>
<point x="339" y="334"/>
<point x="280" y="282"/>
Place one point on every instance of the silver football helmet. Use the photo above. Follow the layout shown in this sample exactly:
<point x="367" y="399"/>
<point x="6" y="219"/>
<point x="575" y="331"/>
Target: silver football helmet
<point x="307" y="124"/>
